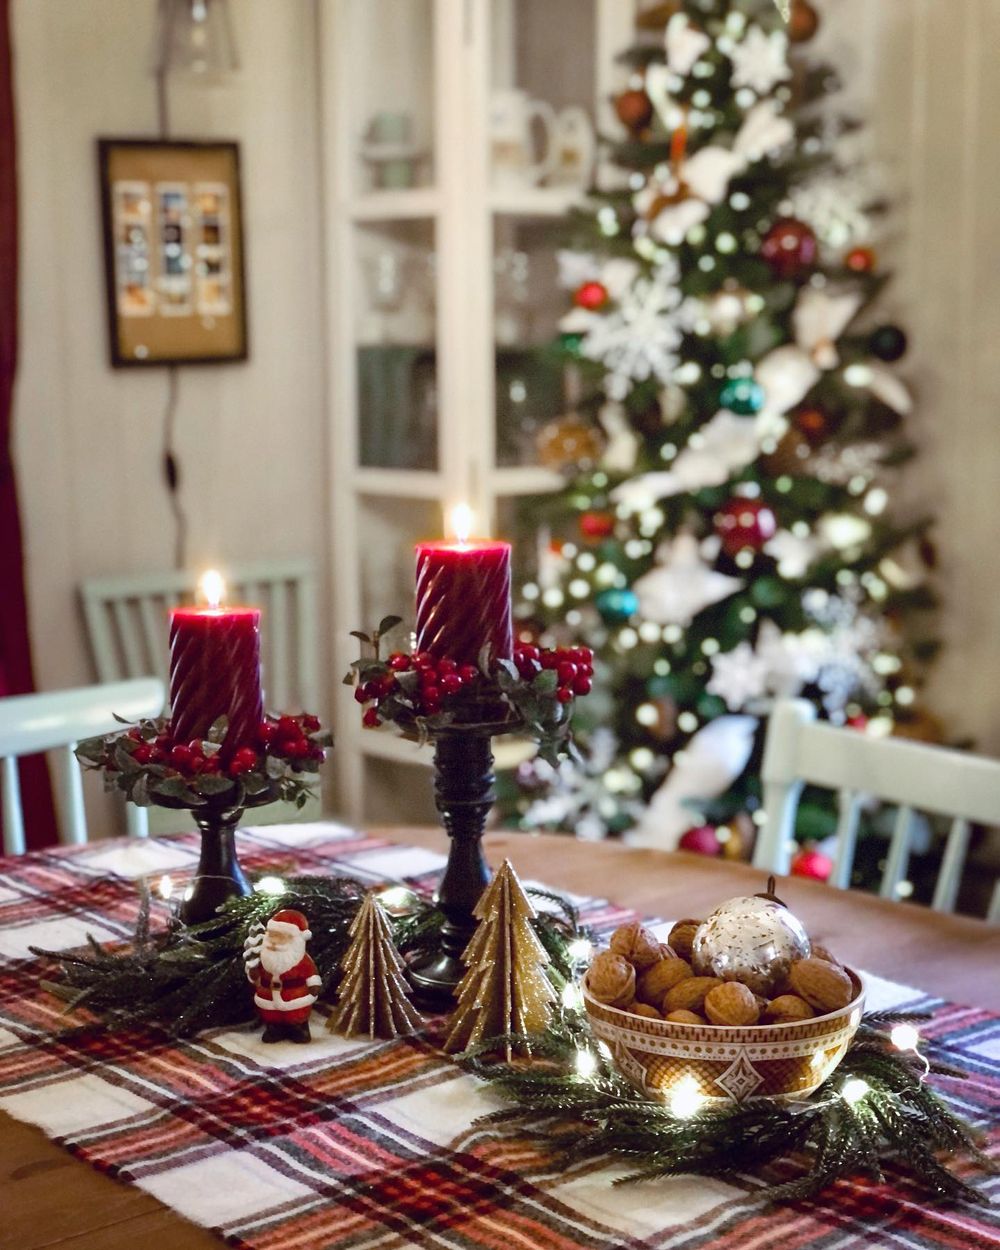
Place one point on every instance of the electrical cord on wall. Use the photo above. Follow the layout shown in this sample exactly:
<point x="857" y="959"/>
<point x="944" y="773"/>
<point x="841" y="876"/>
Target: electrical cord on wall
<point x="171" y="464"/>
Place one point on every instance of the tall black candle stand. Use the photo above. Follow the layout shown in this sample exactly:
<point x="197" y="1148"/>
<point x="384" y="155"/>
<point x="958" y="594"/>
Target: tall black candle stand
<point x="463" y="794"/>
<point x="219" y="876"/>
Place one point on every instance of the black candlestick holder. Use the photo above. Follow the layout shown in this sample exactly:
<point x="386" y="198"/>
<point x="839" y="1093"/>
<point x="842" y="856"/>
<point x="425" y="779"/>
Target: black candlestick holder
<point x="219" y="875"/>
<point x="463" y="793"/>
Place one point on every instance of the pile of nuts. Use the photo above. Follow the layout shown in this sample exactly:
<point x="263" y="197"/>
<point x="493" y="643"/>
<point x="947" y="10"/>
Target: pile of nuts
<point x="658" y="980"/>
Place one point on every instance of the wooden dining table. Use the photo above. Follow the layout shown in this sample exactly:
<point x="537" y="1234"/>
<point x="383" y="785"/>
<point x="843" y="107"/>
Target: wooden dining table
<point x="50" y="1199"/>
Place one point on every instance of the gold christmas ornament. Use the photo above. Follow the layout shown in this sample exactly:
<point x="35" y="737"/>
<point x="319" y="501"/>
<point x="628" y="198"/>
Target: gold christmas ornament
<point x="567" y="442"/>
<point x="505" y="989"/>
<point x="373" y="997"/>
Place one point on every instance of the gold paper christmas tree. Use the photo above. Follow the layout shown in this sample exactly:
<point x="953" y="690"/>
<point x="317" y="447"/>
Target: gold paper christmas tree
<point x="373" y="996"/>
<point x="504" y="989"/>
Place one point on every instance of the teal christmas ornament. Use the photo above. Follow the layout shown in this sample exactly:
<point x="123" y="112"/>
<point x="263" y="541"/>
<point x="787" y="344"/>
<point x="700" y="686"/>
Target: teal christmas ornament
<point x="617" y="606"/>
<point x="743" y="396"/>
<point x="571" y="343"/>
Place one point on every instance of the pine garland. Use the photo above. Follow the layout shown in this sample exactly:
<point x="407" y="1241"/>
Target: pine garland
<point x="191" y="978"/>
<point x="590" y="1111"/>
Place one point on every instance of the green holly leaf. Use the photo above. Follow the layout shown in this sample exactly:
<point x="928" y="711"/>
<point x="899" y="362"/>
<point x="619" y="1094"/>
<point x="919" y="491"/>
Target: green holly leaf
<point x="214" y="783"/>
<point x="387" y="623"/>
<point x="546" y="681"/>
<point x="218" y="730"/>
<point x="170" y="787"/>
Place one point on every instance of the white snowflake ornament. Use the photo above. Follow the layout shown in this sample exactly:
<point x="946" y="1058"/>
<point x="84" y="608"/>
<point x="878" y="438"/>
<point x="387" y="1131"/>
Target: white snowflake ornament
<point x="739" y="676"/>
<point x="685" y="44"/>
<point x="682" y="584"/>
<point x="760" y="61"/>
<point x="794" y="553"/>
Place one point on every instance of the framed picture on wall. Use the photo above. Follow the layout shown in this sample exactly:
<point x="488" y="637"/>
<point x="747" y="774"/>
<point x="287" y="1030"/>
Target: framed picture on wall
<point x="173" y="252"/>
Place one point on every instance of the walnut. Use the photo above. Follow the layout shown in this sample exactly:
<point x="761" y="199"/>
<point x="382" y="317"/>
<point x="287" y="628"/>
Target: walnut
<point x="823" y="985"/>
<point x="635" y="944"/>
<point x="681" y="936"/>
<point x="663" y="976"/>
<point x="685" y="1017"/>
<point x="821" y="952"/>
<point x="643" y="1009"/>
<point x="611" y="979"/>
<point x="689" y="994"/>
<point x="731" y="1003"/>
<point x="787" y="1008"/>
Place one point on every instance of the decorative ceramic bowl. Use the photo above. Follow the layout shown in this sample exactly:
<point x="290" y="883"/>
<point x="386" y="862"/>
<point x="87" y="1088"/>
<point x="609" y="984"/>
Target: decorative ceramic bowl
<point x="724" y="1064"/>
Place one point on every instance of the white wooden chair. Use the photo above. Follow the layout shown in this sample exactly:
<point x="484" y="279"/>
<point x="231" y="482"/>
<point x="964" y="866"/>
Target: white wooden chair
<point x="801" y="751"/>
<point x="32" y="723"/>
<point x="127" y="621"/>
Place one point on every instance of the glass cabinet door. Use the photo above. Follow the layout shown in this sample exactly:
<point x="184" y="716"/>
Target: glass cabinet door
<point x="396" y="313"/>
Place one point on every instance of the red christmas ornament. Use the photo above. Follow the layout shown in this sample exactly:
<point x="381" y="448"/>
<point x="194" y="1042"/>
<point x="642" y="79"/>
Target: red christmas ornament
<point x="591" y="295"/>
<point x="803" y="22"/>
<point x="860" y="259"/>
<point x="812" y="863"/>
<point x="701" y="840"/>
<point x="790" y="248"/>
<point x="813" y="423"/>
<point x="745" y="524"/>
<point x="635" y="110"/>
<point x="597" y="524"/>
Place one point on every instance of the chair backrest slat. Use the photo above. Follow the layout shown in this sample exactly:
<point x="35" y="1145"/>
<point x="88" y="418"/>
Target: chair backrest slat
<point x="56" y="721"/>
<point x="911" y="776"/>
<point x="898" y="859"/>
<point x="74" y="816"/>
<point x="950" y="876"/>
<point x="279" y="677"/>
<point x="847" y="837"/>
<point x="153" y="626"/>
<point x="127" y="639"/>
<point x="13" y="817"/>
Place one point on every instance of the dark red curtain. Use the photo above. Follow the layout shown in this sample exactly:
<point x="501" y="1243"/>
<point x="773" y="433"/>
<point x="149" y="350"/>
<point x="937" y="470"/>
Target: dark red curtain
<point x="15" y="650"/>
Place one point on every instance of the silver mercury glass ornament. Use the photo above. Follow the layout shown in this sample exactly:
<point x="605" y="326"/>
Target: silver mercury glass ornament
<point x="754" y="940"/>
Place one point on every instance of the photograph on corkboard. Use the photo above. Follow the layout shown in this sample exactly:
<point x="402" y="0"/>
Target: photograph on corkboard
<point x="173" y="252"/>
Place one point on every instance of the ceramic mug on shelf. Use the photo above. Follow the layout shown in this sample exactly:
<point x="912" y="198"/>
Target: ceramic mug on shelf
<point x="512" y="147"/>
<point x="575" y="148"/>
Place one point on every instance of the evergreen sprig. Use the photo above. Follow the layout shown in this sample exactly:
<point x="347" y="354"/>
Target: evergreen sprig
<point x="899" y="1121"/>
<point x="191" y="978"/>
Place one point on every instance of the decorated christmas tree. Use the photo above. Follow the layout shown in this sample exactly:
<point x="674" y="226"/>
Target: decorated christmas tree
<point x="504" y="989"/>
<point x="731" y="541"/>
<point x="373" y="993"/>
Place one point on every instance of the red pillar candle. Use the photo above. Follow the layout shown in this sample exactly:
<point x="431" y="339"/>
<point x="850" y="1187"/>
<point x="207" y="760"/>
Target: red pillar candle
<point x="215" y="671"/>
<point x="463" y="597"/>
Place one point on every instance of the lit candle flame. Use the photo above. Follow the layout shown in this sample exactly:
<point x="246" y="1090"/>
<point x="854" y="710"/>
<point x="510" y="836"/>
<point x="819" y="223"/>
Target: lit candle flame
<point x="212" y="587"/>
<point x="461" y="522"/>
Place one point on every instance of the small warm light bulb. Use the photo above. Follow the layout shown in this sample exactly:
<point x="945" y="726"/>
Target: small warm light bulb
<point x="571" y="997"/>
<point x="904" y="1037"/>
<point x="165" y="886"/>
<point x="270" y="885"/>
<point x="685" y="1099"/>
<point x="397" y="899"/>
<point x="461" y="522"/>
<point x="580" y="948"/>
<point x="586" y="1063"/>
<point x="212" y="587"/>
<point x="854" y="1090"/>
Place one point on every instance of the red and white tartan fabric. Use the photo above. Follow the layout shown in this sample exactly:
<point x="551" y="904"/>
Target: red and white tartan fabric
<point x="350" y="1144"/>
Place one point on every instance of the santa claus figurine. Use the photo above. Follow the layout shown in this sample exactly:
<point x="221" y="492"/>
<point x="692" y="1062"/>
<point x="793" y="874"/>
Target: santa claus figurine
<point x="284" y="978"/>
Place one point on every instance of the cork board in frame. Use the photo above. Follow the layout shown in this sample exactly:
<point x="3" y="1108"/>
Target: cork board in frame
<point x="173" y="252"/>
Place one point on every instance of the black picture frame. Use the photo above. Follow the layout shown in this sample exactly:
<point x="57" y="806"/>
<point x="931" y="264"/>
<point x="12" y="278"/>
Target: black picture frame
<point x="174" y="247"/>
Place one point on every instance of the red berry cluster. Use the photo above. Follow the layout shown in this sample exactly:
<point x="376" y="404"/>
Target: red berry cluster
<point x="284" y="737"/>
<point x="573" y="666"/>
<point x="438" y="680"/>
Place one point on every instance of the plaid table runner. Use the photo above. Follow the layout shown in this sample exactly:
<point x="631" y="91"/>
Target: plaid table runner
<point x="350" y="1144"/>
